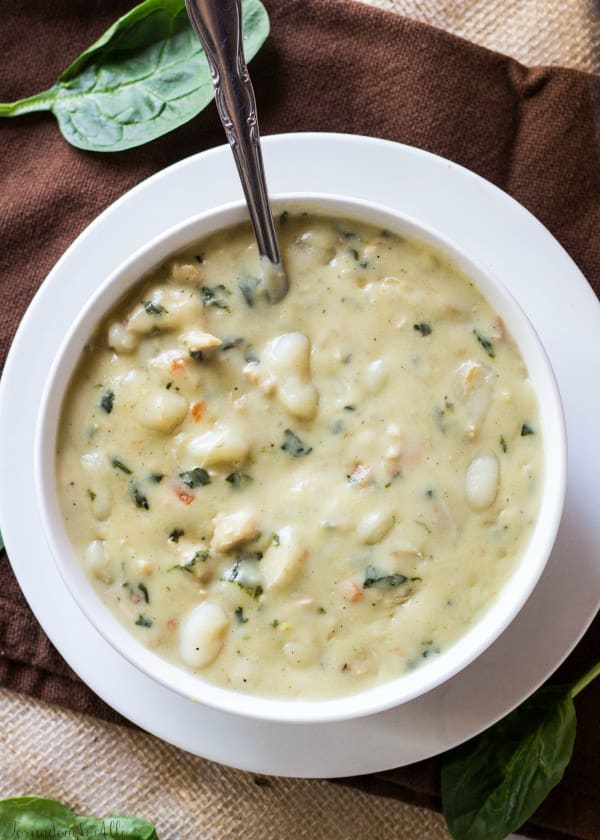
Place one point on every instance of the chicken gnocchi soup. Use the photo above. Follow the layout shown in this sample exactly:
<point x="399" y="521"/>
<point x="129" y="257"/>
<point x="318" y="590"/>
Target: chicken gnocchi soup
<point x="306" y="499"/>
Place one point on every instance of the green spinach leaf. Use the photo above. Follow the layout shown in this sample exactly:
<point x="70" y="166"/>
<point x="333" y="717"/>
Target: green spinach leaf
<point x="140" y="499"/>
<point x="108" y="400"/>
<point x="119" y="465"/>
<point x="244" y="572"/>
<point x="145" y="76"/>
<point x="32" y="816"/>
<point x="382" y="580"/>
<point x="492" y="784"/>
<point x="154" y="308"/>
<point x="239" y="480"/>
<point x="143" y="621"/>
<point x="198" y="477"/>
<point x="248" y="287"/>
<point x="201" y="556"/>
<point x="216" y="296"/>
<point x="485" y="343"/>
<point x="294" y="445"/>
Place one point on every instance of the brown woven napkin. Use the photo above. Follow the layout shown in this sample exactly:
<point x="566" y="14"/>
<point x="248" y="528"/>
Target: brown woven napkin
<point x="330" y="65"/>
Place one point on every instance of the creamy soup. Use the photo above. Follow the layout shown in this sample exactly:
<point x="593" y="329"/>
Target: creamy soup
<point x="309" y="498"/>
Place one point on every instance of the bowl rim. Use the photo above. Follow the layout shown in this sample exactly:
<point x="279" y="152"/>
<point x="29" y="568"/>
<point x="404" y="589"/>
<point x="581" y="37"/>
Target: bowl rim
<point x="495" y="617"/>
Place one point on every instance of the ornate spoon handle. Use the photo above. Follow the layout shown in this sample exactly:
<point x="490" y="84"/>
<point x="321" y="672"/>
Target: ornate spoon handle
<point x="218" y="24"/>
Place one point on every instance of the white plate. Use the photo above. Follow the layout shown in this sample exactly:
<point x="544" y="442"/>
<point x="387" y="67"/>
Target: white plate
<point x="499" y="233"/>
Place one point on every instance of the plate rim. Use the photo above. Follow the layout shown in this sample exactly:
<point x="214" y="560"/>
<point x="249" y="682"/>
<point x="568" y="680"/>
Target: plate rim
<point x="271" y="142"/>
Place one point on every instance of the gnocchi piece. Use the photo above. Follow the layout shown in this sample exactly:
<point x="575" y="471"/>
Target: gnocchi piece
<point x="376" y="376"/>
<point x="483" y="477"/>
<point x="120" y="339"/>
<point x="184" y="272"/>
<point x="283" y="559"/>
<point x="166" y="362"/>
<point x="195" y="341"/>
<point x="287" y="362"/>
<point x="375" y="525"/>
<point x="300" y="399"/>
<point x="220" y="445"/>
<point x="288" y="354"/>
<point x="98" y="561"/>
<point x="474" y="385"/>
<point x="233" y="529"/>
<point x="400" y="453"/>
<point x="201" y="634"/>
<point x="165" y="308"/>
<point x="97" y="472"/>
<point x="161" y="411"/>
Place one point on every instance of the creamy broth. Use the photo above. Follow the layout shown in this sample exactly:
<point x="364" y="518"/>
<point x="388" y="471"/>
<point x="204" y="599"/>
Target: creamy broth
<point x="306" y="499"/>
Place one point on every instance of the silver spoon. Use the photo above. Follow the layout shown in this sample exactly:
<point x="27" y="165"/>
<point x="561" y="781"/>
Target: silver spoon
<point x="218" y="24"/>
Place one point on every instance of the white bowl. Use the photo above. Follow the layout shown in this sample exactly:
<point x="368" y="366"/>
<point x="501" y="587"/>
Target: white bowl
<point x="482" y="633"/>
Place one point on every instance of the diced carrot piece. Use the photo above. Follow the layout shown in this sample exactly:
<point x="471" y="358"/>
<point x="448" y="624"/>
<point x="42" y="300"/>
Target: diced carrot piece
<point x="178" y="364"/>
<point x="351" y="591"/>
<point x="198" y="408"/>
<point x="185" y="497"/>
<point x="167" y="631"/>
<point x="471" y="373"/>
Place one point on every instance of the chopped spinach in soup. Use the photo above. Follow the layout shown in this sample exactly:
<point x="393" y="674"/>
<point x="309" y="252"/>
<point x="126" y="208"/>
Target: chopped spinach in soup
<point x="306" y="499"/>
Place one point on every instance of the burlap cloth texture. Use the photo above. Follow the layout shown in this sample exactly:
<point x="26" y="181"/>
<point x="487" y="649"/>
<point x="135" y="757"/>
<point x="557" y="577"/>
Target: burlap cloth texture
<point x="564" y="32"/>
<point x="330" y="65"/>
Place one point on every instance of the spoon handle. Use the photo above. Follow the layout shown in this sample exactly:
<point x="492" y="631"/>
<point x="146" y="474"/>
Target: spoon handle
<point x="218" y="24"/>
